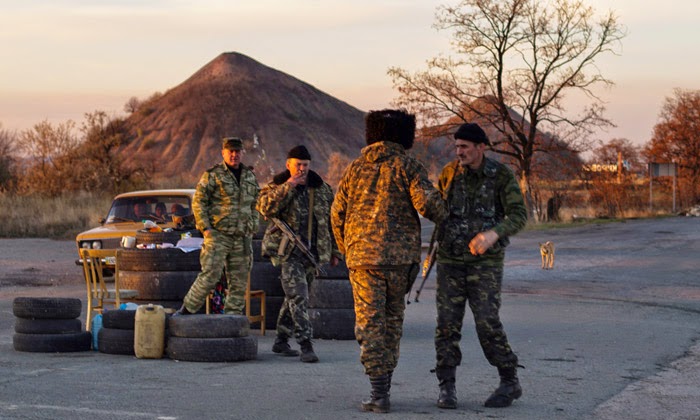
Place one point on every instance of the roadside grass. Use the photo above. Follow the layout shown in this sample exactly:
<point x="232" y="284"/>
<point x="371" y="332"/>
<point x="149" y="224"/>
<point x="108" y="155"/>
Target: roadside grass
<point x="55" y="218"/>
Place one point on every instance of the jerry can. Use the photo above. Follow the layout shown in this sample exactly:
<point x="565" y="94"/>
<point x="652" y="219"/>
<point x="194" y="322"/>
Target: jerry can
<point x="149" y="332"/>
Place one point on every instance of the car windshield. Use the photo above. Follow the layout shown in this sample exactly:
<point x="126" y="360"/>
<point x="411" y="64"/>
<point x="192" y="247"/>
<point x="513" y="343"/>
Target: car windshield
<point x="159" y="208"/>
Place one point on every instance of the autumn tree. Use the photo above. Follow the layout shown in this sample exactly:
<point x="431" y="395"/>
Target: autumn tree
<point x="676" y="138"/>
<point x="7" y="158"/>
<point x="517" y="61"/>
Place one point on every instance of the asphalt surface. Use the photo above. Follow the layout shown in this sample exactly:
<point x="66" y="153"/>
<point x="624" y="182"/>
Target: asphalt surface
<point x="611" y="333"/>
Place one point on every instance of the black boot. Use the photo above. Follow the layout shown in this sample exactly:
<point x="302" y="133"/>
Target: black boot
<point x="182" y="311"/>
<point x="448" y="393"/>
<point x="307" y="352"/>
<point x="282" y="348"/>
<point x="378" y="401"/>
<point x="508" y="390"/>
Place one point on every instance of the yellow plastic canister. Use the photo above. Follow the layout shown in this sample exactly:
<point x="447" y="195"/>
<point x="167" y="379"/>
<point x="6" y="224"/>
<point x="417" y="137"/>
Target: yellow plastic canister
<point x="149" y="331"/>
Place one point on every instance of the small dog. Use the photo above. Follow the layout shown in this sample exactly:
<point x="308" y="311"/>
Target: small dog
<point x="547" y="252"/>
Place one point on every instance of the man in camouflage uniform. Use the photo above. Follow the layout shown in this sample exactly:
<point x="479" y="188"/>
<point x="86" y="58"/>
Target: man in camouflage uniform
<point x="485" y="208"/>
<point x="377" y="227"/>
<point x="299" y="197"/>
<point x="224" y="209"/>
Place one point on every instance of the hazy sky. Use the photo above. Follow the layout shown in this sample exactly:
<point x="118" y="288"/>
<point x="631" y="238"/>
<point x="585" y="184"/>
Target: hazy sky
<point x="63" y="58"/>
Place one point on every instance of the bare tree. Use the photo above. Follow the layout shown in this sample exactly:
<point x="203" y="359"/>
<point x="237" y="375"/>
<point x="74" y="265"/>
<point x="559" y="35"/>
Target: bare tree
<point x="518" y="60"/>
<point x="7" y="158"/>
<point x="132" y="105"/>
<point x="676" y="139"/>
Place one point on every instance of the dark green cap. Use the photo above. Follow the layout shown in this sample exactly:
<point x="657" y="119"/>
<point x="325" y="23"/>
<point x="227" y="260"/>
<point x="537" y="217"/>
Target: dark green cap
<point x="232" y="143"/>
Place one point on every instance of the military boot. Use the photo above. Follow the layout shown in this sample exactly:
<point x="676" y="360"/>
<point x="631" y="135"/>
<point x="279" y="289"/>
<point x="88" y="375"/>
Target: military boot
<point x="282" y="348"/>
<point x="307" y="352"/>
<point x="378" y="400"/>
<point x="448" y="393"/>
<point x="508" y="390"/>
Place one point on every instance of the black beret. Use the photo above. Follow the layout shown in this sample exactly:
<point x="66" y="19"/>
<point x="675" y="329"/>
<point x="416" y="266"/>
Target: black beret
<point x="299" y="152"/>
<point x="471" y="132"/>
<point x="232" y="143"/>
<point x="392" y="125"/>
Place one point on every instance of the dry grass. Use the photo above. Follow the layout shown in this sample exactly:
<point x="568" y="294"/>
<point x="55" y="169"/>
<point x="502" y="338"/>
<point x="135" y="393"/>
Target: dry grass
<point x="57" y="218"/>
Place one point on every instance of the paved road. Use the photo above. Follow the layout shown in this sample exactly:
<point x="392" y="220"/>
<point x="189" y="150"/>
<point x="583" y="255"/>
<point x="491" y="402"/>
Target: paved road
<point x="611" y="333"/>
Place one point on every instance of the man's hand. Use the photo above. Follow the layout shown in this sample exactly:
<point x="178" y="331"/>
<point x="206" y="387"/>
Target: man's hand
<point x="298" y="178"/>
<point x="482" y="242"/>
<point x="334" y="261"/>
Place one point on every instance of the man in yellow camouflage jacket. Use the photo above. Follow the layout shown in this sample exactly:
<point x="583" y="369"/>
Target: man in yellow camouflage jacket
<point x="377" y="227"/>
<point x="224" y="208"/>
<point x="300" y="198"/>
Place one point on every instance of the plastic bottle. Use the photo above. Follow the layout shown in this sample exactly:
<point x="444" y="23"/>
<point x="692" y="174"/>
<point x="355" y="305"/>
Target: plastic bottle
<point x="95" y="328"/>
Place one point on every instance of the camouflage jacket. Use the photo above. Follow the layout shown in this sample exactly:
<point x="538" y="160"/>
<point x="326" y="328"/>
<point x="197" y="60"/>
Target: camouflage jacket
<point x="374" y="214"/>
<point x="488" y="198"/>
<point x="223" y="203"/>
<point x="280" y="199"/>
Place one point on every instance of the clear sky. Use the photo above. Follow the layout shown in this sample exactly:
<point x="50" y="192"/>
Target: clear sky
<point x="62" y="58"/>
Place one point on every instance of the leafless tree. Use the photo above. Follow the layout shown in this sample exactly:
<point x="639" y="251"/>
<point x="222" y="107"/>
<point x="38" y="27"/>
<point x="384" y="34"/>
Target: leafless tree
<point x="517" y="59"/>
<point x="7" y="158"/>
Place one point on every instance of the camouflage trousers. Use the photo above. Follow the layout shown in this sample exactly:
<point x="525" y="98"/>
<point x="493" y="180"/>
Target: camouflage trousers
<point x="480" y="285"/>
<point x="293" y="320"/>
<point x="221" y="251"/>
<point x="379" y="296"/>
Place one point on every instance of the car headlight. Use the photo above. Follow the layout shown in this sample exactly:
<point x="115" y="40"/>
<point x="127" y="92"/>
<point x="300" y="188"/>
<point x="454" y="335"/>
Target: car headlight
<point x="96" y="244"/>
<point x="91" y="245"/>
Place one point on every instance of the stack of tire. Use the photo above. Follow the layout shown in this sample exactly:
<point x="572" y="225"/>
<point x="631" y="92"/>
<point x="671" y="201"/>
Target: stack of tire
<point x="210" y="338"/>
<point x="161" y="276"/>
<point x="331" y="304"/>
<point x="117" y="333"/>
<point x="49" y="325"/>
<point x="265" y="276"/>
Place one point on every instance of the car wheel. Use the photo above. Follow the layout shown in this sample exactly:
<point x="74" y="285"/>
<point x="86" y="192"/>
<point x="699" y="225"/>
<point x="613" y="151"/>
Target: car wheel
<point x="47" y="326"/>
<point x="333" y="324"/>
<point x="167" y="259"/>
<point x="232" y="349"/>
<point x="52" y="343"/>
<point x="115" y="341"/>
<point x="46" y="308"/>
<point x="209" y="326"/>
<point x="158" y="285"/>
<point x="119" y="319"/>
<point x="331" y="293"/>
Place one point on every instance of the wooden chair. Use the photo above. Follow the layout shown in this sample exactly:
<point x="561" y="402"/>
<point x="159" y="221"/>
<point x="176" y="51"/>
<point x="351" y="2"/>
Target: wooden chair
<point x="249" y="294"/>
<point x="97" y="292"/>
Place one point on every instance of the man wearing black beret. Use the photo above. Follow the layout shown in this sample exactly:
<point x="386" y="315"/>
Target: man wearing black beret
<point x="485" y="208"/>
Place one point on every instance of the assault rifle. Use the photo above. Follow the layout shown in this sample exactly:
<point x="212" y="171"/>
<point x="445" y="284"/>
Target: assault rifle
<point x="427" y="267"/>
<point x="291" y="236"/>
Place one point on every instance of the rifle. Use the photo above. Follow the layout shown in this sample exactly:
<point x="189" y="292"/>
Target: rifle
<point x="428" y="264"/>
<point x="296" y="240"/>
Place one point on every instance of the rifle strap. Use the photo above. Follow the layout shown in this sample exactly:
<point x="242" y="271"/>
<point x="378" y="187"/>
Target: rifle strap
<point x="311" y="215"/>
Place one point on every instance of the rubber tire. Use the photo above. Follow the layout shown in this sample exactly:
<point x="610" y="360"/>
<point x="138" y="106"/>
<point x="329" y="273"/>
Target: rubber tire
<point x="273" y="304"/>
<point x="234" y="349"/>
<point x="265" y="276"/>
<point x="172" y="237"/>
<point x="115" y="341"/>
<point x="48" y="326"/>
<point x="333" y="324"/>
<point x="119" y="319"/>
<point x="331" y="294"/>
<point x="158" y="285"/>
<point x="340" y="271"/>
<point x="261" y="229"/>
<point x="46" y="308"/>
<point x="52" y="343"/>
<point x="257" y="252"/>
<point x="167" y="259"/>
<point x="209" y="326"/>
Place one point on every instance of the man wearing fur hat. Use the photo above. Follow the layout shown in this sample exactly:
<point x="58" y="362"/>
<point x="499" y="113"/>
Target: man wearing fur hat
<point x="224" y="210"/>
<point x="299" y="197"/>
<point x="375" y="222"/>
<point x="485" y="208"/>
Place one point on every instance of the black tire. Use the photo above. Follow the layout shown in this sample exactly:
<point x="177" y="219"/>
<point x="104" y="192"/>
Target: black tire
<point x="167" y="259"/>
<point x="234" y="349"/>
<point x="209" y="326"/>
<point x="48" y="326"/>
<point x="52" y="343"/>
<point x="115" y="341"/>
<point x="340" y="271"/>
<point x="333" y="324"/>
<point x="331" y="294"/>
<point x="265" y="276"/>
<point x="119" y="319"/>
<point x="46" y="308"/>
<point x="144" y="237"/>
<point x="158" y="285"/>
<point x="273" y="304"/>
<point x="261" y="229"/>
